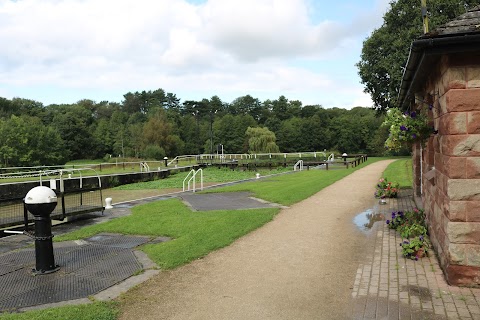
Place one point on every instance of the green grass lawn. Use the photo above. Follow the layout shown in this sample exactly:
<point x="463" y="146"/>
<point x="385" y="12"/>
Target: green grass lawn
<point x="291" y="188"/>
<point x="210" y="174"/>
<point x="94" y="311"/>
<point x="400" y="171"/>
<point x="196" y="234"/>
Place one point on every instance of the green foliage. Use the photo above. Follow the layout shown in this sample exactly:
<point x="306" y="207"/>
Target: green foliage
<point x="401" y="219"/>
<point x="25" y="141"/>
<point x="94" y="311"/>
<point x="87" y="129"/>
<point x="416" y="247"/>
<point x="385" y="51"/>
<point x="408" y="230"/>
<point x="412" y="227"/>
<point x="386" y="189"/>
<point x="406" y="128"/>
<point x="398" y="219"/>
<point x="261" y="140"/>
<point x="154" y="152"/>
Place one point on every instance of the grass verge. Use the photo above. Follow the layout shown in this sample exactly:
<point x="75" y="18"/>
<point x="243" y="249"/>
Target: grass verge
<point x="211" y="174"/>
<point x="292" y="188"/>
<point x="195" y="234"/>
<point x="400" y="171"/>
<point x="93" y="311"/>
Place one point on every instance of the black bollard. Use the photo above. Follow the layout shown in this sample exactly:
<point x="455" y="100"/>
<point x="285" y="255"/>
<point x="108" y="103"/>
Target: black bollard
<point x="41" y="201"/>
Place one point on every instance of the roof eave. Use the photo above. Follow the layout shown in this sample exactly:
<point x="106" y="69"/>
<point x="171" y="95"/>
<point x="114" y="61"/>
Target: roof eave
<point x="424" y="53"/>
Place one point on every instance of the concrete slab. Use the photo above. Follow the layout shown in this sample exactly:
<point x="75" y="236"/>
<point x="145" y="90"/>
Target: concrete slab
<point x="224" y="201"/>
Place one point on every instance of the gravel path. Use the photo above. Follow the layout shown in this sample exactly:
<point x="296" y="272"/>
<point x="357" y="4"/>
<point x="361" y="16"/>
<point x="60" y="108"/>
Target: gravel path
<point x="302" y="265"/>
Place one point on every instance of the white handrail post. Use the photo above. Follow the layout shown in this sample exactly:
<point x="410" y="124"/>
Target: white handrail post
<point x="194" y="178"/>
<point x="188" y="180"/>
<point x="299" y="165"/>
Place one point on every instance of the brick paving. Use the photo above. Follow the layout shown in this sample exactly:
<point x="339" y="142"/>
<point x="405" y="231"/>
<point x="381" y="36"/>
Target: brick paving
<point x="388" y="286"/>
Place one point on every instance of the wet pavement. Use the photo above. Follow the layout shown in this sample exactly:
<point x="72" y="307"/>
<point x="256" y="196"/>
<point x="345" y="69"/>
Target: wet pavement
<point x="388" y="286"/>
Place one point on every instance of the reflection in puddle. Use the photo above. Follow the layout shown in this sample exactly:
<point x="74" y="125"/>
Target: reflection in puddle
<point x="366" y="219"/>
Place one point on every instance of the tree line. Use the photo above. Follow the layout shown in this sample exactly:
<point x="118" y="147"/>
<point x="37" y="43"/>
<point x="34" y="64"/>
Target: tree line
<point x="154" y="124"/>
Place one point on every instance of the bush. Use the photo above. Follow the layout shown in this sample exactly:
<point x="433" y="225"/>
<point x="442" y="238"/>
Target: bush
<point x="154" y="152"/>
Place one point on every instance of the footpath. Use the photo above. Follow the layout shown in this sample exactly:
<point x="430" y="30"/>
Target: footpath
<point x="310" y="262"/>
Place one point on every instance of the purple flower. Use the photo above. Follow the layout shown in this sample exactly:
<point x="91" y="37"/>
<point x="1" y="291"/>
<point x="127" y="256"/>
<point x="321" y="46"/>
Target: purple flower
<point x="413" y="114"/>
<point x="416" y="258"/>
<point x="421" y="238"/>
<point x="430" y="106"/>
<point x="388" y="221"/>
<point x="414" y="136"/>
<point x="405" y="242"/>
<point x="400" y="213"/>
<point x="403" y="128"/>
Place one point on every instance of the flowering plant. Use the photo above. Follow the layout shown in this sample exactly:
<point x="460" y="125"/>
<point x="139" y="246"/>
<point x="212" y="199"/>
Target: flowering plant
<point x="398" y="219"/>
<point x="386" y="189"/>
<point x="406" y="128"/>
<point x="415" y="248"/>
<point x="412" y="227"/>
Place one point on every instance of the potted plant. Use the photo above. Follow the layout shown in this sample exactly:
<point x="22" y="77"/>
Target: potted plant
<point x="406" y="128"/>
<point x="386" y="189"/>
<point x="416" y="247"/>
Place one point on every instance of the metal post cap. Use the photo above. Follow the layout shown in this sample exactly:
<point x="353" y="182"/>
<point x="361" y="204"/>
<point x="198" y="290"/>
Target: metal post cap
<point x="39" y="195"/>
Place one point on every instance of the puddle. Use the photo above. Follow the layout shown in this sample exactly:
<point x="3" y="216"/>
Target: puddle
<point x="365" y="220"/>
<point x="123" y="206"/>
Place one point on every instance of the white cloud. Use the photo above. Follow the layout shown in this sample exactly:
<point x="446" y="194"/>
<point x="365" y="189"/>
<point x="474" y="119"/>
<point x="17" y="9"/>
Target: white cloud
<point x="242" y="46"/>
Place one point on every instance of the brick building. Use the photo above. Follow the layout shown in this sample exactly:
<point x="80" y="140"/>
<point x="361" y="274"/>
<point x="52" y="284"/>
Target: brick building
<point x="443" y="75"/>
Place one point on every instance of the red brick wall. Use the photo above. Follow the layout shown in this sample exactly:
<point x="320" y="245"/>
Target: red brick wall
<point x="451" y="197"/>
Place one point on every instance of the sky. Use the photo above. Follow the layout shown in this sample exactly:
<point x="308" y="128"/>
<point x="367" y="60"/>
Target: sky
<point x="63" y="51"/>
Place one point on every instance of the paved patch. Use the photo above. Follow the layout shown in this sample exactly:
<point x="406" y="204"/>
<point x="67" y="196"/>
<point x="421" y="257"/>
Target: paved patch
<point x="388" y="286"/>
<point x="224" y="201"/>
<point x="87" y="267"/>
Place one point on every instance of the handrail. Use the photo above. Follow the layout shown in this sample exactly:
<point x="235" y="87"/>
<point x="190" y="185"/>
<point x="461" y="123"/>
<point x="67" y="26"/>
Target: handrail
<point x="331" y="157"/>
<point x="188" y="175"/>
<point x="145" y="166"/>
<point x="194" y="180"/>
<point x="299" y="164"/>
<point x="193" y="176"/>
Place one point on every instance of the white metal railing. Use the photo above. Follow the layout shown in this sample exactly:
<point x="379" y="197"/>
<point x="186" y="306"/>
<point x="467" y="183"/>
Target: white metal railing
<point x="331" y="158"/>
<point x="144" y="165"/>
<point x="192" y="172"/>
<point x="232" y="156"/>
<point x="298" y="165"/>
<point x="192" y="181"/>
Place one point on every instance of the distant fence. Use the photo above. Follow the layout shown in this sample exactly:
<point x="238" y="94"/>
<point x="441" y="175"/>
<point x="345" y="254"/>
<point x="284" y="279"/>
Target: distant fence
<point x="75" y="195"/>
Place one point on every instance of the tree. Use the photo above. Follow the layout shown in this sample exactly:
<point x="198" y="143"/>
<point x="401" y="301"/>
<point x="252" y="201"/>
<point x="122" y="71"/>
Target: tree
<point x="290" y="136"/>
<point x="261" y="140"/>
<point x="385" y="52"/>
<point x="73" y="123"/>
<point x="280" y="108"/>
<point x="26" y="141"/>
<point x="158" y="131"/>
